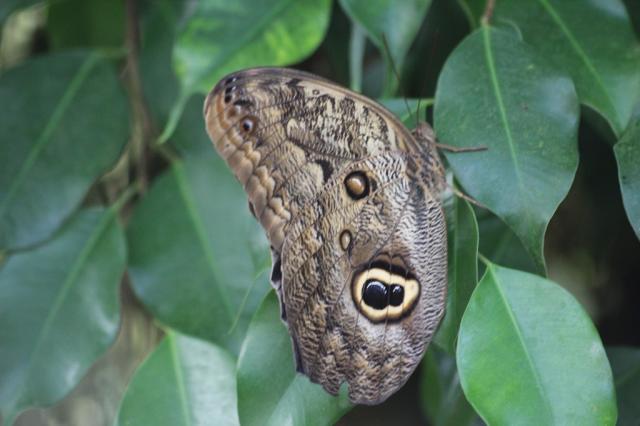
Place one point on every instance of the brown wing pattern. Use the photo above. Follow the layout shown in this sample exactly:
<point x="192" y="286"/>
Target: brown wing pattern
<point x="349" y="200"/>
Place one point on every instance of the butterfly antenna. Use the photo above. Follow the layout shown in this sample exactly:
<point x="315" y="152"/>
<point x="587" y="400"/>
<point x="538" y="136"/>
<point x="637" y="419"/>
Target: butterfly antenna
<point x="395" y="72"/>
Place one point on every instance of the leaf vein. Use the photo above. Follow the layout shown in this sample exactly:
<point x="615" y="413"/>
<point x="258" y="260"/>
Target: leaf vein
<point x="51" y="125"/>
<point x="503" y="112"/>
<point x="516" y="326"/>
<point x="582" y="55"/>
<point x="184" y="408"/>
<point x="199" y="229"/>
<point x="74" y="272"/>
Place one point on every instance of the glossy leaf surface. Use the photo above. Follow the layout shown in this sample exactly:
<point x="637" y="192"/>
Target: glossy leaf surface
<point x="184" y="382"/>
<point x="270" y="392"/>
<point x="64" y="122"/>
<point x="496" y="92"/>
<point x="220" y="37"/>
<point x="59" y="310"/>
<point x="528" y="353"/>
<point x="198" y="259"/>
<point x="462" y="237"/>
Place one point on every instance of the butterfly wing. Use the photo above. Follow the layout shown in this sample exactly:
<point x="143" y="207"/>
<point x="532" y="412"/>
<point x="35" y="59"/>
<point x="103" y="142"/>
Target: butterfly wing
<point x="346" y="197"/>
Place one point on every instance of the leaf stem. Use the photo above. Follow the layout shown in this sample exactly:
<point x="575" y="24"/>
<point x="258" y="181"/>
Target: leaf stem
<point x="125" y="196"/>
<point x="488" y="12"/>
<point x="168" y="153"/>
<point x="357" y="43"/>
<point x="484" y="260"/>
<point x="174" y="117"/>
<point x="426" y="103"/>
<point x="142" y="128"/>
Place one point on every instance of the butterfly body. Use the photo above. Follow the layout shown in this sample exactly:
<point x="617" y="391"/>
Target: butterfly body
<point x="349" y="199"/>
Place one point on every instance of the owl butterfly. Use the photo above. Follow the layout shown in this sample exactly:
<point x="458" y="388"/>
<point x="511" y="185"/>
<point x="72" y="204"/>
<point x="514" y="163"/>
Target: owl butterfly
<point x="349" y="200"/>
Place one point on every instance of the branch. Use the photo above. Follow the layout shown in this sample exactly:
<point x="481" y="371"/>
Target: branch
<point x="142" y="131"/>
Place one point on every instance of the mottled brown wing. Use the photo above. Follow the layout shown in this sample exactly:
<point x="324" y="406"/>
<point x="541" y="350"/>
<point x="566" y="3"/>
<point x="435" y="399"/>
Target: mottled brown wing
<point x="349" y="201"/>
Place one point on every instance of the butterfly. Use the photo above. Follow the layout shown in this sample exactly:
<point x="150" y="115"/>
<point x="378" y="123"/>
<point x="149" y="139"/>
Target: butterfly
<point x="350" y="201"/>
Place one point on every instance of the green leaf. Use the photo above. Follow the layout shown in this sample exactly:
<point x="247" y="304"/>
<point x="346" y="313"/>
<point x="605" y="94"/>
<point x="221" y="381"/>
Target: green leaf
<point x="59" y="310"/>
<point x="86" y="23"/>
<point x="593" y="41"/>
<point x="190" y="140"/>
<point x="496" y="92"/>
<point x="270" y="392"/>
<point x="499" y="244"/>
<point x="625" y="363"/>
<point x="463" y="269"/>
<point x="63" y="123"/>
<point x="159" y="27"/>
<point x="222" y="36"/>
<point x="441" y="396"/>
<point x="627" y="152"/>
<point x="397" y="21"/>
<point x="357" y="46"/>
<point x="185" y="381"/>
<point x="198" y="259"/>
<point x="528" y="354"/>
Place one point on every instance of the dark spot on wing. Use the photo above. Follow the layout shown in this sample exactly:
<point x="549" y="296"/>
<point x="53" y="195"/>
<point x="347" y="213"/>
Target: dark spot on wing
<point x="293" y="82"/>
<point x="276" y="271"/>
<point x="327" y="169"/>
<point x="243" y="102"/>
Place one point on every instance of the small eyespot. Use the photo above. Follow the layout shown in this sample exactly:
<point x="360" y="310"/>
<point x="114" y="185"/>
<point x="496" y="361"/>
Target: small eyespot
<point x="229" y="89"/>
<point x="230" y="80"/>
<point x="345" y="239"/>
<point x="357" y="185"/>
<point x="227" y="99"/>
<point x="248" y="124"/>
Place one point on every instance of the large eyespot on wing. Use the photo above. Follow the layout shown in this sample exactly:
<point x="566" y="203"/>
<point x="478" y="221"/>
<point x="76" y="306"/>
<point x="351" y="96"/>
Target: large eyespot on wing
<point x="349" y="251"/>
<point x="383" y="294"/>
<point x="394" y="333"/>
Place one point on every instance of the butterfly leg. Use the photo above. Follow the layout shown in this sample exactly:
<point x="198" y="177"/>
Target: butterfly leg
<point x="468" y="198"/>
